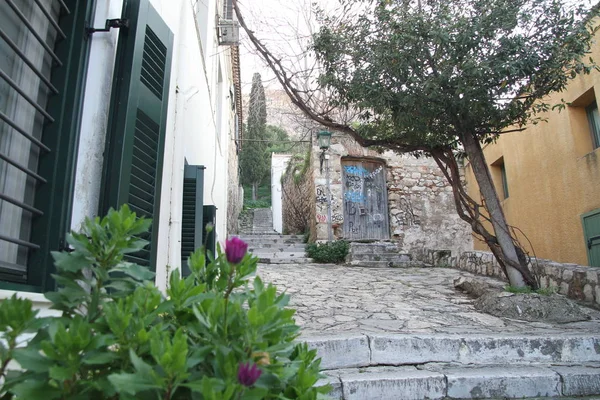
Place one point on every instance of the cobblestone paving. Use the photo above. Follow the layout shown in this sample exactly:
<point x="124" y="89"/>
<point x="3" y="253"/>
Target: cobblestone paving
<point x="333" y="299"/>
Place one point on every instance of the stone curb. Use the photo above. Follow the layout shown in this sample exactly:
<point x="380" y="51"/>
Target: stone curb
<point x="359" y="350"/>
<point x="481" y="382"/>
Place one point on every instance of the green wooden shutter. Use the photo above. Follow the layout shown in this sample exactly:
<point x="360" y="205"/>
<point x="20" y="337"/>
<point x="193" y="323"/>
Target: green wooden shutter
<point x="591" y="229"/>
<point x="137" y="121"/>
<point x="192" y="214"/>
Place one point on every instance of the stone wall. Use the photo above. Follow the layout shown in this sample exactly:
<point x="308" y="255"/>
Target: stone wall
<point x="298" y="198"/>
<point x="235" y="192"/>
<point x="574" y="281"/>
<point x="420" y="202"/>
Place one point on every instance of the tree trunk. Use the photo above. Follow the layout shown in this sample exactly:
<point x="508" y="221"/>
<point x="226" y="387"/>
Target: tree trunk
<point x="486" y="186"/>
<point x="254" y="192"/>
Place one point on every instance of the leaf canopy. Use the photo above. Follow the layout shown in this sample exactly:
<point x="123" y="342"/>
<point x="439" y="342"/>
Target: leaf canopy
<point x="426" y="72"/>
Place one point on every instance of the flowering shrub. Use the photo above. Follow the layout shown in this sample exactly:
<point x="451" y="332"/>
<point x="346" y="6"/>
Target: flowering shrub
<point x="216" y="335"/>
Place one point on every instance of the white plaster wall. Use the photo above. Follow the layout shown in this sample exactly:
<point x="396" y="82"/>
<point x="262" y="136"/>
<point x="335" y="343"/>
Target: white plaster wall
<point x="191" y="122"/>
<point x="279" y="163"/>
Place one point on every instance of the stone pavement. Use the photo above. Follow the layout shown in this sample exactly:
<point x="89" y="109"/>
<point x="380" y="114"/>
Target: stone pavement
<point x="333" y="299"/>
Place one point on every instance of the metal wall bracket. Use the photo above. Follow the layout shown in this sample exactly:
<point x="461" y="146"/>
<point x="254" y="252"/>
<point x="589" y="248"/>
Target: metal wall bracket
<point x="110" y="23"/>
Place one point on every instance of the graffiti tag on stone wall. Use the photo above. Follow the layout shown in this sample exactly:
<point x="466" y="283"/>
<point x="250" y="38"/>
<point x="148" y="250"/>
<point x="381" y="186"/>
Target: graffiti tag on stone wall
<point x="321" y="196"/>
<point x="336" y="218"/>
<point x="406" y="216"/>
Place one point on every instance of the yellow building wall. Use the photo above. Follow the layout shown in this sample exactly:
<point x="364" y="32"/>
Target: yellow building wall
<point x="553" y="174"/>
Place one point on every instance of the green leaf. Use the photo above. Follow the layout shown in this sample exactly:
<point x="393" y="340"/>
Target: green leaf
<point x="255" y="393"/>
<point x="135" y="271"/>
<point x="34" y="390"/>
<point x="131" y="383"/>
<point x="32" y="360"/>
<point x="99" y="357"/>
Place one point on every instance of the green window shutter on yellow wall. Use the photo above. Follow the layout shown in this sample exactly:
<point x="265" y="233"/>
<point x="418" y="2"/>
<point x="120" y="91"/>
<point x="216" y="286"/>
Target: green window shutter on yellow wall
<point x="591" y="230"/>
<point x="137" y="120"/>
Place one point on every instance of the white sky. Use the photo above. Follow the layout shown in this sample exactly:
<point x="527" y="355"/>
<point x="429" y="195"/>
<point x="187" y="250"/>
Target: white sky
<point x="279" y="23"/>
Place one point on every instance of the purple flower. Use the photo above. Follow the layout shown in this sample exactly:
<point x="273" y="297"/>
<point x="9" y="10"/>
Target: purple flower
<point x="248" y="374"/>
<point x="235" y="250"/>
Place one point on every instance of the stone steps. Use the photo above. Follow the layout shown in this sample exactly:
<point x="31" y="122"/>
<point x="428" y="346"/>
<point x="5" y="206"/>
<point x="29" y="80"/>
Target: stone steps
<point x="275" y="239"/>
<point x="393" y="257"/>
<point x="287" y="260"/>
<point x="385" y="264"/>
<point x="372" y="248"/>
<point x="464" y="382"/>
<point x="279" y="254"/>
<point x="446" y="366"/>
<point x="378" y="255"/>
<point x="294" y="247"/>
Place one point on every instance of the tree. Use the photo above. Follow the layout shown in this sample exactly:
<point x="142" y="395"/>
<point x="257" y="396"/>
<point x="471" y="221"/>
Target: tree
<point x="437" y="77"/>
<point x="279" y="139"/>
<point x="254" y="162"/>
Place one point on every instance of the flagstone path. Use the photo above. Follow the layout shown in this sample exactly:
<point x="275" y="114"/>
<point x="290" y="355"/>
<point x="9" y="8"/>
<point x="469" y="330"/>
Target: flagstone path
<point x="332" y="299"/>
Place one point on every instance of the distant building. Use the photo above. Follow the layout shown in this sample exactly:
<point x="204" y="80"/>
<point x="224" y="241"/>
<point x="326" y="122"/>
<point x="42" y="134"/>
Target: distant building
<point x="548" y="176"/>
<point x="147" y="114"/>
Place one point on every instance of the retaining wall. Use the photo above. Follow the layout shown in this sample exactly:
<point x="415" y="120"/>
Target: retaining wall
<point x="577" y="282"/>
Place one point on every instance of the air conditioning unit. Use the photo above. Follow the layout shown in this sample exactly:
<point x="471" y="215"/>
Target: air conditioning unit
<point x="229" y="32"/>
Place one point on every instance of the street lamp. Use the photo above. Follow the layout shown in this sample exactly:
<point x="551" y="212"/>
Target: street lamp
<point x="324" y="139"/>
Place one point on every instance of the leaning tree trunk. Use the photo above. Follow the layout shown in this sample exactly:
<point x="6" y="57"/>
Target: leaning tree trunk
<point x="517" y="273"/>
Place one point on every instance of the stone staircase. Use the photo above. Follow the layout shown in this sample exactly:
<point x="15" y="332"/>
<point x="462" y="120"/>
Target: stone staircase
<point x="445" y="366"/>
<point x="263" y="222"/>
<point x="270" y="246"/>
<point x="378" y="255"/>
<point x="277" y="249"/>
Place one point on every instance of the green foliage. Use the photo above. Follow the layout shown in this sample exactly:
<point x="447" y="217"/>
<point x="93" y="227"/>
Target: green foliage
<point x="120" y="337"/>
<point x="250" y="204"/>
<point x="423" y="74"/>
<point x="277" y="135"/>
<point x="254" y="160"/>
<point x="333" y="252"/>
<point x="526" y="290"/>
<point x="263" y="196"/>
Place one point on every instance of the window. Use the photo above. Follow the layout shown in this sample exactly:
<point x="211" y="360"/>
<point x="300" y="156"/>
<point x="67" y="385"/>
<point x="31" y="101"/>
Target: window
<point x="498" y="171"/>
<point x="504" y="181"/>
<point x="594" y="122"/>
<point x="43" y="54"/>
<point x="585" y="122"/>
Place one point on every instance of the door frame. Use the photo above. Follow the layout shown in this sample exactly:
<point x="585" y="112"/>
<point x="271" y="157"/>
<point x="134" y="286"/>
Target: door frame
<point x="384" y="164"/>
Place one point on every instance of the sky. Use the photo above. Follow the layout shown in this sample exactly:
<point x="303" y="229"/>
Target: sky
<point x="279" y="24"/>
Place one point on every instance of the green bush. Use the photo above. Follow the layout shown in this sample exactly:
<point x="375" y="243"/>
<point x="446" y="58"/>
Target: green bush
<point x="214" y="335"/>
<point x="333" y="252"/>
<point x="257" y="204"/>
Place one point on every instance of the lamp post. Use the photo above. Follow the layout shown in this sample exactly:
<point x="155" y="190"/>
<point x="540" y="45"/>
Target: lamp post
<point x="324" y="138"/>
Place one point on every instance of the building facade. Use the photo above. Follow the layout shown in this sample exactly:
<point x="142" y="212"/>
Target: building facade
<point x="548" y="176"/>
<point x="385" y="196"/>
<point x="144" y="111"/>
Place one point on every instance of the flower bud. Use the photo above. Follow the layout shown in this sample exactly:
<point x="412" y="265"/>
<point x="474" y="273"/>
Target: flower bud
<point x="248" y="374"/>
<point x="235" y="250"/>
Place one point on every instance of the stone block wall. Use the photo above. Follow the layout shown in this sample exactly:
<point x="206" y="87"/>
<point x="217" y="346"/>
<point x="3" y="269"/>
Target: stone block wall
<point x="577" y="282"/>
<point x="421" y="208"/>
